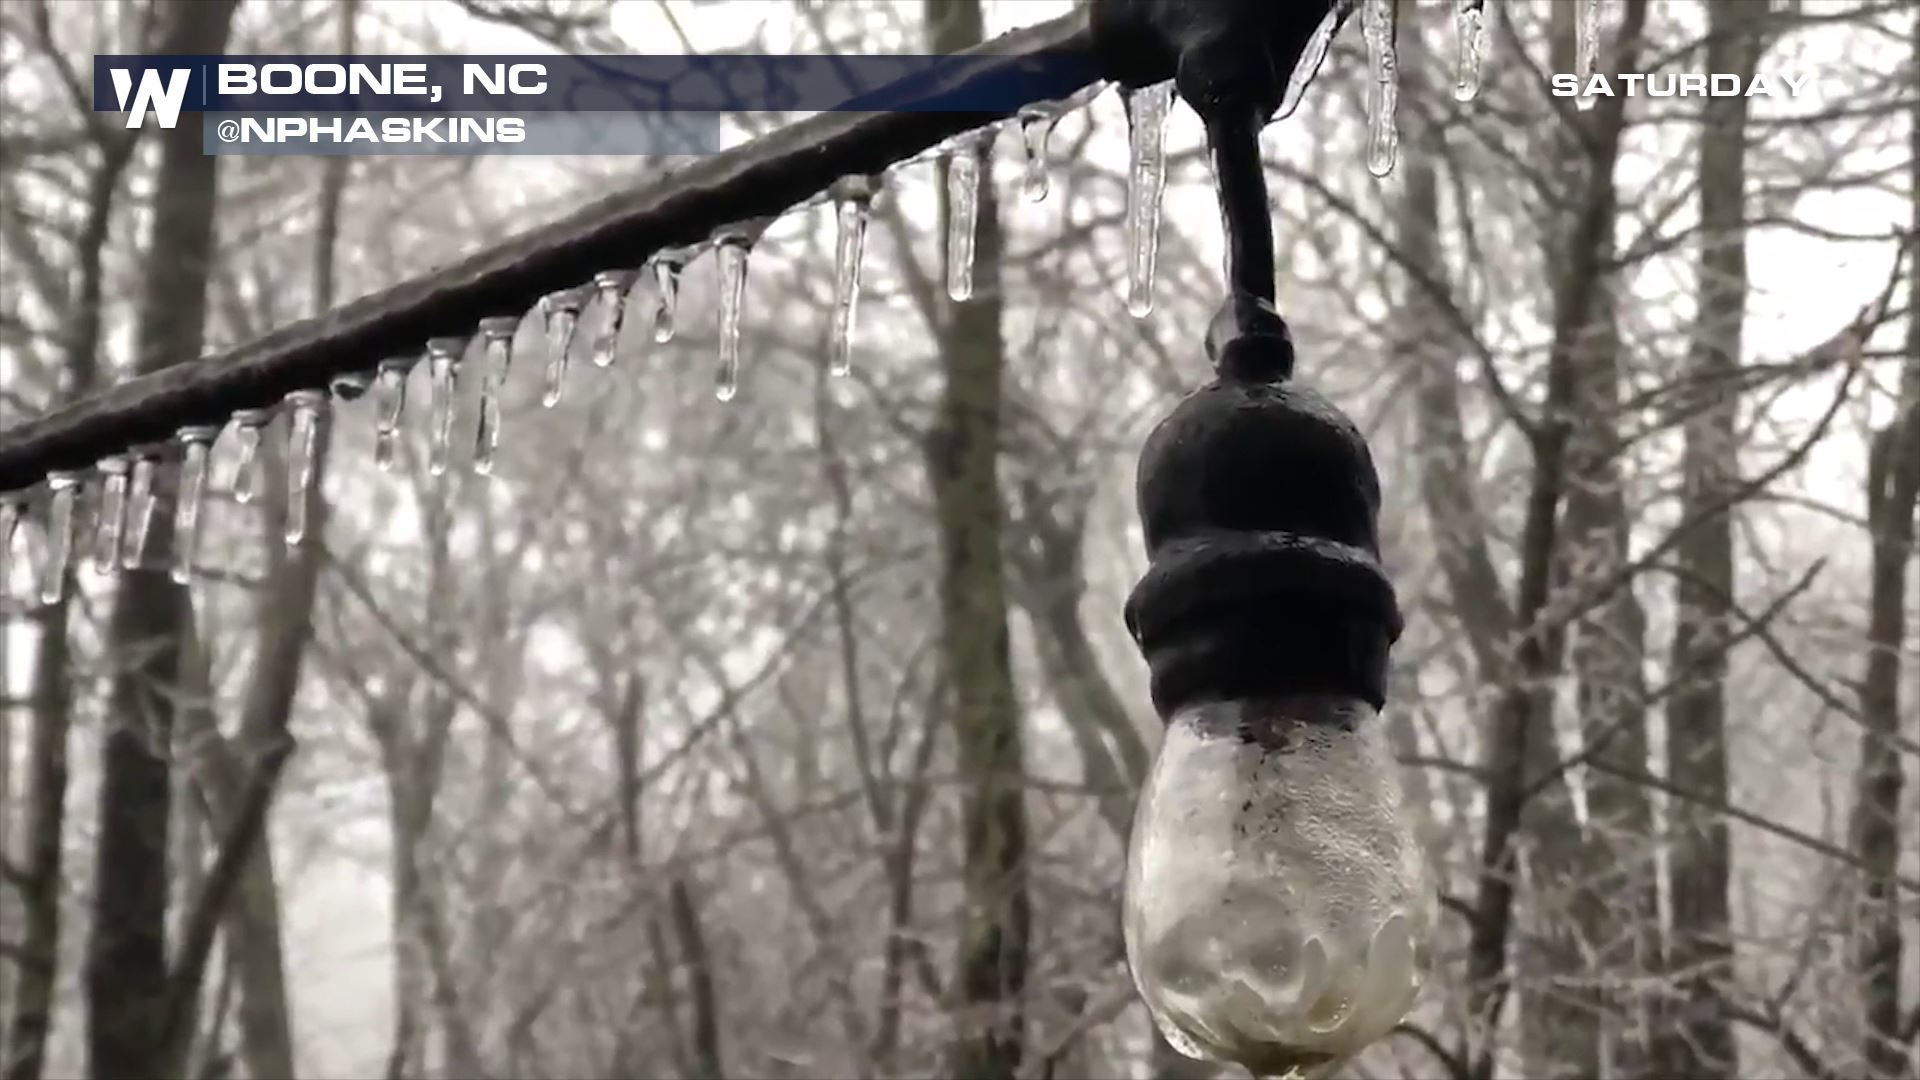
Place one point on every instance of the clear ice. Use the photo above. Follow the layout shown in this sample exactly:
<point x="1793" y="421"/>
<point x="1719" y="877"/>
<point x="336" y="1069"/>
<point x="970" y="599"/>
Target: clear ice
<point x="731" y="251"/>
<point x="1586" y="47"/>
<point x="496" y="336"/>
<point x="389" y="404"/>
<point x="140" y="511"/>
<point x="610" y="290"/>
<point x="562" y="311"/>
<point x="666" y="286"/>
<point x="63" y="491"/>
<point x="1311" y="57"/>
<point x="1470" y="43"/>
<point x="443" y="361"/>
<point x="13" y="508"/>
<point x="111" y="522"/>
<point x="249" y="427"/>
<point x="305" y="443"/>
<point x="1147" y="108"/>
<point x="196" y="449"/>
<point x="854" y="207"/>
<point x="1383" y="96"/>
<point x="963" y="214"/>
<point x="1036" y="125"/>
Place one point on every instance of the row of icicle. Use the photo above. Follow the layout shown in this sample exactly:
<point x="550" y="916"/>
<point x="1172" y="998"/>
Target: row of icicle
<point x="127" y="500"/>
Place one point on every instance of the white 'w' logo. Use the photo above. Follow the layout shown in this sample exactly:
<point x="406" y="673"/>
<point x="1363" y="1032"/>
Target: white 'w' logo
<point x="164" y="100"/>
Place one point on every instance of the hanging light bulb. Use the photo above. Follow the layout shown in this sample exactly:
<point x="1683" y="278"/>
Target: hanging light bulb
<point x="1276" y="910"/>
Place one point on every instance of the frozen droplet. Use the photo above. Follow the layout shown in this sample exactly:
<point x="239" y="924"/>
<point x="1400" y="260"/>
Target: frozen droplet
<point x="730" y="256"/>
<point x="1036" y="125"/>
<point x="1586" y="48"/>
<point x="666" y="285"/>
<point x="562" y="310"/>
<point x="13" y="508"/>
<point x="351" y="386"/>
<point x="1312" y="56"/>
<point x="1470" y="44"/>
<point x="249" y="425"/>
<point x="854" y="197"/>
<point x="141" y="504"/>
<point x="496" y="336"/>
<point x="196" y="447"/>
<point x="963" y="214"/>
<point x="63" y="492"/>
<point x="306" y="442"/>
<point x="1383" y="89"/>
<point x="389" y="404"/>
<point x="610" y="289"/>
<point x="111" y="521"/>
<point x="443" y="362"/>
<point x="1147" y="108"/>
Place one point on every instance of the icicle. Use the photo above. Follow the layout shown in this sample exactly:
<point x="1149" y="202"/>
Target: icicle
<point x="13" y="508"/>
<point x="1383" y="99"/>
<point x="731" y="249"/>
<point x="496" y="336"/>
<point x="562" y="310"/>
<point x="1312" y="56"/>
<point x="196" y="448"/>
<point x="1586" y="48"/>
<point x="1470" y="33"/>
<point x="443" y="360"/>
<point x="63" y="491"/>
<point x="1147" y="108"/>
<point x="610" y="286"/>
<point x="111" y="522"/>
<point x="306" y="442"/>
<point x="1036" y="125"/>
<point x="666" y="283"/>
<point x="963" y="214"/>
<point x="249" y="424"/>
<point x="140" y="509"/>
<point x="854" y="195"/>
<point x="389" y="403"/>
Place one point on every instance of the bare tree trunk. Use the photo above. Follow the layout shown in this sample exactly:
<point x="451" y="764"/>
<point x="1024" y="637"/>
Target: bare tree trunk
<point x="127" y="955"/>
<point x="284" y="624"/>
<point x="1696" y="1037"/>
<point x="1893" y="486"/>
<point x="963" y="465"/>
<point x="52" y="695"/>
<point x="1510" y="650"/>
<point x="693" y="953"/>
<point x="1595" y="900"/>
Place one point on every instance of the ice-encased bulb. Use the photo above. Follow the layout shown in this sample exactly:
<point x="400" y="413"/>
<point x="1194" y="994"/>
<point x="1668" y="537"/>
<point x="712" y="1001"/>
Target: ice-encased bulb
<point x="1277" y="909"/>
